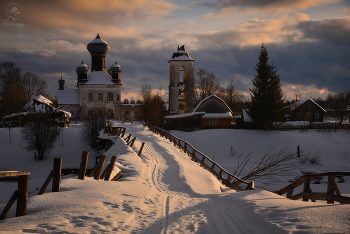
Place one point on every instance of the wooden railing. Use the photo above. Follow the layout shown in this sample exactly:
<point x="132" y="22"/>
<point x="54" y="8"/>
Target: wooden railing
<point x="332" y="194"/>
<point x="21" y="194"/>
<point x="220" y="173"/>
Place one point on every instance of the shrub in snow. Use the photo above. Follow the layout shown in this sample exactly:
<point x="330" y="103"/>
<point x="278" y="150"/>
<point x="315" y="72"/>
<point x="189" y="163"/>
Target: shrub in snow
<point x="39" y="136"/>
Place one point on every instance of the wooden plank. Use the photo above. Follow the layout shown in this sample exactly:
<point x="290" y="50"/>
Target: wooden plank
<point x="297" y="196"/>
<point x="56" y="177"/>
<point x="306" y="188"/>
<point x="46" y="183"/>
<point x="118" y="175"/>
<point x="100" y="167"/>
<point x="13" y="173"/>
<point x="110" y="167"/>
<point x="330" y="188"/>
<point x="140" y="151"/>
<point x="83" y="165"/>
<point x="21" y="208"/>
<point x="336" y="189"/>
<point x="9" y="205"/>
<point x="92" y="171"/>
<point x="290" y="192"/>
<point x="292" y="185"/>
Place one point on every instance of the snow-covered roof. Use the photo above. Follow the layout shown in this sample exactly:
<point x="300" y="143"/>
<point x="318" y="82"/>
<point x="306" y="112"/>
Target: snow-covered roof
<point x="217" y="115"/>
<point x="39" y="98"/>
<point x="98" y="40"/>
<point x="99" y="77"/>
<point x="181" y="55"/>
<point x="246" y="116"/>
<point x="68" y="96"/>
<point x="302" y="101"/>
<point x="213" y="95"/>
<point x="184" y="115"/>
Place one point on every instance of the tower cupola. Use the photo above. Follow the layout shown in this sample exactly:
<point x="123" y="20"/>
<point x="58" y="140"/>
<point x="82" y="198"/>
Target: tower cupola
<point x="115" y="71"/>
<point x="81" y="71"/>
<point x="98" y="49"/>
<point x="61" y="83"/>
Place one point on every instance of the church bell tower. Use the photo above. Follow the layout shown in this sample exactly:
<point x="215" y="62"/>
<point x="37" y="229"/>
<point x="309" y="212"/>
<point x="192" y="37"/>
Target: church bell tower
<point x="181" y="86"/>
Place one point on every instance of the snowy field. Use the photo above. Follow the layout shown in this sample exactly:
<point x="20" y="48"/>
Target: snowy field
<point x="165" y="192"/>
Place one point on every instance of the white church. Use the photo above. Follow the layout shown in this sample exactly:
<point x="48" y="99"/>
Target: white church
<point x="99" y="92"/>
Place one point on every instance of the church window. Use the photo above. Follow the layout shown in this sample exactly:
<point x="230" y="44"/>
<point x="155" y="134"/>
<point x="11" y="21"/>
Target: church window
<point x="109" y="97"/>
<point x="110" y="114"/>
<point x="99" y="113"/>
<point x="90" y="97"/>
<point x="100" y="97"/>
<point x="213" y="122"/>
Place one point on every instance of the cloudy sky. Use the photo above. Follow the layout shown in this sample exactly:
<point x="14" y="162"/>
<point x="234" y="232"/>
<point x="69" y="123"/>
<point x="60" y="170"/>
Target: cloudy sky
<point x="308" y="40"/>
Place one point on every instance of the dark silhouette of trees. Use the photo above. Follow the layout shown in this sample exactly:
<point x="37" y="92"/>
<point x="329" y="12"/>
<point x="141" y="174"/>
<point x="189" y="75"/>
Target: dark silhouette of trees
<point x="92" y="126"/>
<point x="16" y="90"/>
<point x="267" y="101"/>
<point x="40" y="135"/>
<point x="153" y="106"/>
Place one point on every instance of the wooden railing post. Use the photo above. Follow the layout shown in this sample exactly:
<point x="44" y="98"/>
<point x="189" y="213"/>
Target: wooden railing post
<point x="330" y="189"/>
<point x="83" y="165"/>
<point x="290" y="192"/>
<point x="139" y="154"/>
<point x="56" y="177"/>
<point x="110" y="167"/>
<point x="193" y="155"/>
<point x="22" y="195"/>
<point x="306" y="191"/>
<point x="100" y="167"/>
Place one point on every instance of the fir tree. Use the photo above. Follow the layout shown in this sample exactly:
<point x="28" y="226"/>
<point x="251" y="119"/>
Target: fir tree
<point x="267" y="99"/>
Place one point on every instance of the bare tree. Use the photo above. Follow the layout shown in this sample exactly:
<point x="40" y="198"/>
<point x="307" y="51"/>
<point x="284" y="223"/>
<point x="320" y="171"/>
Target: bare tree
<point x="33" y="85"/>
<point x="206" y="83"/>
<point x="40" y="136"/>
<point x="269" y="166"/>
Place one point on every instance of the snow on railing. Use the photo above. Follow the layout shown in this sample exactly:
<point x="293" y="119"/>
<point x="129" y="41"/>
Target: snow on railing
<point x="214" y="168"/>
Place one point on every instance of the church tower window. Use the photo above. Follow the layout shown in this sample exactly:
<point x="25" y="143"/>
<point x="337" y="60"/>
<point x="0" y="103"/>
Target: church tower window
<point x="100" y="97"/>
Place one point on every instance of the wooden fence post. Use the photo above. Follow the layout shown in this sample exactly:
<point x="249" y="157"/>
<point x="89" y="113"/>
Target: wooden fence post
<point x="193" y="155"/>
<point x="128" y="138"/>
<point x="139" y="154"/>
<point x="9" y="205"/>
<point x="83" y="165"/>
<point x="99" y="167"/>
<point x="110" y="167"/>
<point x="56" y="178"/>
<point x="298" y="149"/>
<point x="123" y="132"/>
<point x="330" y="189"/>
<point x="132" y="142"/>
<point x="306" y="191"/>
<point x="22" y="195"/>
<point x="289" y="192"/>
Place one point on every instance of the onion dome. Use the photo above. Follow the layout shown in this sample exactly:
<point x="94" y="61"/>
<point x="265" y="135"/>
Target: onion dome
<point x="116" y="67"/>
<point x="82" y="68"/>
<point x="61" y="83"/>
<point x="98" y="46"/>
<point x="181" y="54"/>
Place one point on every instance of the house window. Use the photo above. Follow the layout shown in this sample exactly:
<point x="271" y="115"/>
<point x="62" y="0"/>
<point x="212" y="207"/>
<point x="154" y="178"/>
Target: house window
<point x="213" y="122"/>
<point x="90" y="97"/>
<point x="317" y="115"/>
<point x="89" y="113"/>
<point x="99" y="113"/>
<point x="100" y="97"/>
<point x="109" y="97"/>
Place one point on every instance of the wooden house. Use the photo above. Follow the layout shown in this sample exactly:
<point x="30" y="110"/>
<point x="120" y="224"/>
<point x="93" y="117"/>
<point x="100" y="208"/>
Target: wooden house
<point x="305" y="110"/>
<point x="211" y="112"/>
<point x="217" y="113"/>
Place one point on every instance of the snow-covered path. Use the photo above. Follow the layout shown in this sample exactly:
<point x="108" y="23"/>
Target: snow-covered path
<point x="192" y="197"/>
<point x="161" y="192"/>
